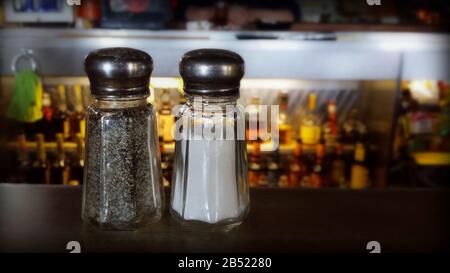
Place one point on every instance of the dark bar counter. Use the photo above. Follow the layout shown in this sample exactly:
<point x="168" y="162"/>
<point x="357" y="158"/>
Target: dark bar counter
<point x="38" y="218"/>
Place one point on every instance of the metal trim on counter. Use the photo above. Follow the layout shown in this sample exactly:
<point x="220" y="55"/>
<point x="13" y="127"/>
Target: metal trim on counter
<point x="306" y="55"/>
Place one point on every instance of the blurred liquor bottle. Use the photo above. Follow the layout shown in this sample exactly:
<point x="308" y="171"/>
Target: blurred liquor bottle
<point x="274" y="169"/>
<point x="61" y="123"/>
<point x="442" y="131"/>
<point x="263" y="180"/>
<point x="60" y="168"/>
<point x="359" y="178"/>
<point x="166" y="120"/>
<point x="284" y="126"/>
<point x="22" y="166"/>
<point x="402" y="135"/>
<point x="252" y="120"/>
<point x="403" y="164"/>
<point x="338" y="168"/>
<point x="77" y="164"/>
<point x="297" y="167"/>
<point x="77" y="117"/>
<point x="264" y="160"/>
<point x="330" y="128"/>
<point x="40" y="168"/>
<point x="353" y="129"/>
<point x="310" y="126"/>
<point x="166" y="166"/>
<point x="45" y="124"/>
<point x="317" y="179"/>
<point x="254" y="165"/>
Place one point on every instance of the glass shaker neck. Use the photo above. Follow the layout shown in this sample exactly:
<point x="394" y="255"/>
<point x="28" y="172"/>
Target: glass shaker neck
<point x="202" y="100"/>
<point x="116" y="103"/>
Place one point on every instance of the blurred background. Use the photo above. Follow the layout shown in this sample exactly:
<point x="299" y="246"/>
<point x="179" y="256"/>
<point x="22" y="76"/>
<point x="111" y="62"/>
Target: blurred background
<point x="363" y="86"/>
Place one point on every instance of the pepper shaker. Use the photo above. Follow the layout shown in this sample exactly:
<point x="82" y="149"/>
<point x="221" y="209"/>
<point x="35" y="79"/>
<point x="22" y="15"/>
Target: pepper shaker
<point x="122" y="179"/>
<point x="210" y="188"/>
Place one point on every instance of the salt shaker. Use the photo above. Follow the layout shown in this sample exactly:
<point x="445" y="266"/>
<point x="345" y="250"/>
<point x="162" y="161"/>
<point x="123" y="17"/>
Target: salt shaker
<point x="122" y="181"/>
<point x="210" y="188"/>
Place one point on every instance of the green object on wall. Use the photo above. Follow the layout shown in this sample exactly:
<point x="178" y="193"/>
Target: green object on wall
<point x="26" y="100"/>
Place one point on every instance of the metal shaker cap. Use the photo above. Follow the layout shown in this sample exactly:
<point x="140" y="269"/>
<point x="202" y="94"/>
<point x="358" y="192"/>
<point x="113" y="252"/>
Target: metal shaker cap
<point x="119" y="72"/>
<point x="212" y="72"/>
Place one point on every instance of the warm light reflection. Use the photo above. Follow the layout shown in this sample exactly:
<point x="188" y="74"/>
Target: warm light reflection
<point x="167" y="82"/>
<point x="132" y="67"/>
<point x="425" y="91"/>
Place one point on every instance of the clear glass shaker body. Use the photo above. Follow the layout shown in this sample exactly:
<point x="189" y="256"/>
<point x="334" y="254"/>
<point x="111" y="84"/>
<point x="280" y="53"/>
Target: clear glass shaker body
<point x="210" y="186"/>
<point x="122" y="178"/>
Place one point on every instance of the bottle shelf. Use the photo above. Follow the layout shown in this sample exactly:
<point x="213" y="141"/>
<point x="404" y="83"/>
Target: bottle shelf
<point x="48" y="145"/>
<point x="267" y="148"/>
<point x="432" y="158"/>
<point x="289" y="148"/>
<point x="168" y="148"/>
